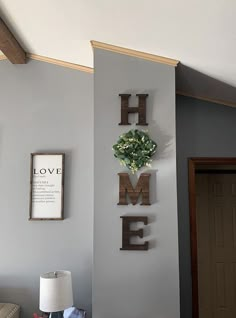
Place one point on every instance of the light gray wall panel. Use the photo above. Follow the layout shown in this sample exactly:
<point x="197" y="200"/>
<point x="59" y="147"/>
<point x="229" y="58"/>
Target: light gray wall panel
<point x="44" y="107"/>
<point x="135" y="284"/>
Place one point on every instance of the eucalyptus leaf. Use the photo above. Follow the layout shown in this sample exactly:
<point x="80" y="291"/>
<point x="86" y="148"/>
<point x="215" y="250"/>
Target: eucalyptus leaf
<point x="134" y="149"/>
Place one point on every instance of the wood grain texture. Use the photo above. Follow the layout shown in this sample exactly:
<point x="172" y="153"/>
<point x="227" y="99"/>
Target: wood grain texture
<point x="140" y="109"/>
<point x="141" y="188"/>
<point x="9" y="45"/>
<point x="134" y="53"/>
<point x="127" y="233"/>
<point x="193" y="237"/>
<point x="192" y="165"/>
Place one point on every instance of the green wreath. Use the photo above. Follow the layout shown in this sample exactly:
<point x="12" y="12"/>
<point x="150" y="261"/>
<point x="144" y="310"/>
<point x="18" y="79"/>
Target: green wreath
<point x="134" y="149"/>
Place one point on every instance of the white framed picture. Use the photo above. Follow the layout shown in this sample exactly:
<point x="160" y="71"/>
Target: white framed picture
<point x="47" y="186"/>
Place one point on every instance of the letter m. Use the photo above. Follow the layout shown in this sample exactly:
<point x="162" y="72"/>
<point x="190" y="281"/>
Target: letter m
<point x="126" y="189"/>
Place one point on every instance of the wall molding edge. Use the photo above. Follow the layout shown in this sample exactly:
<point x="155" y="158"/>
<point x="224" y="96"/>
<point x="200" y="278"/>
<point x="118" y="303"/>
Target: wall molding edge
<point x="50" y="60"/>
<point x="91" y="70"/>
<point x="207" y="99"/>
<point x="134" y="53"/>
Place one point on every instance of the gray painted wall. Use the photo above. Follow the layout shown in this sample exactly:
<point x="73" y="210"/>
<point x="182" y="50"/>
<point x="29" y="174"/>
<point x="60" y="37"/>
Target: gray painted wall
<point x="44" y="107"/>
<point x="203" y="130"/>
<point x="135" y="284"/>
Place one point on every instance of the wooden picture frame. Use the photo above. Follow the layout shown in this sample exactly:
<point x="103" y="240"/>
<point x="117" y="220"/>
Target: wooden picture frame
<point x="47" y="186"/>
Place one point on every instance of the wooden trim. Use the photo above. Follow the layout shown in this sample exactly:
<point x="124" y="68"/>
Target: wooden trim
<point x="215" y="171"/>
<point x="208" y="99"/>
<point x="60" y="63"/>
<point x="90" y="70"/>
<point x="193" y="237"/>
<point x="134" y="53"/>
<point x="192" y="162"/>
<point x="45" y="59"/>
<point x="213" y="160"/>
<point x="10" y="46"/>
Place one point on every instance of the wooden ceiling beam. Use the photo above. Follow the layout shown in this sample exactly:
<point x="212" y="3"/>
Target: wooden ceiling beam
<point x="9" y="45"/>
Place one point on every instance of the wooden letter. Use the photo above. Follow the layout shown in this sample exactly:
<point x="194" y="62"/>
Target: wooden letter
<point x="127" y="233"/>
<point x="140" y="109"/>
<point x="127" y="188"/>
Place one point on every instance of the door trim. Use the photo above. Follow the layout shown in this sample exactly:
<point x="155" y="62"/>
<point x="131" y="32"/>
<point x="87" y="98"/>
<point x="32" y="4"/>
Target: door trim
<point x="192" y="162"/>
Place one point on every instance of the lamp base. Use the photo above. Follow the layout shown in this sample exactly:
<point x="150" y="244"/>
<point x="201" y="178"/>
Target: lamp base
<point x="58" y="314"/>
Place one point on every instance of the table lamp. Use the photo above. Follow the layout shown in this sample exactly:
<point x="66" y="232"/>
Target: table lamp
<point x="56" y="293"/>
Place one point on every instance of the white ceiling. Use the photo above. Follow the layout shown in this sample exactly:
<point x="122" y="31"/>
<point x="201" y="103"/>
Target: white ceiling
<point x="199" y="33"/>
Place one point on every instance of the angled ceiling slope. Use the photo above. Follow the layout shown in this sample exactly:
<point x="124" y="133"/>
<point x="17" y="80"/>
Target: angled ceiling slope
<point x="189" y="82"/>
<point x="199" y="33"/>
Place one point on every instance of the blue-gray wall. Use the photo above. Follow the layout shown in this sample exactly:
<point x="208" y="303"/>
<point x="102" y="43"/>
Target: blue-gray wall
<point x="203" y="130"/>
<point x="45" y="107"/>
<point x="134" y="284"/>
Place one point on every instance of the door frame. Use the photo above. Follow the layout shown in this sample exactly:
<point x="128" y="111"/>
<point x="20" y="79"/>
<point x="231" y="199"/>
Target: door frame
<point x="192" y="163"/>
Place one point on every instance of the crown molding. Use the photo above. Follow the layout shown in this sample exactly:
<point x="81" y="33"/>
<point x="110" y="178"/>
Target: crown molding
<point x="134" y="53"/>
<point x="45" y="59"/>
<point x="208" y="99"/>
<point x="91" y="71"/>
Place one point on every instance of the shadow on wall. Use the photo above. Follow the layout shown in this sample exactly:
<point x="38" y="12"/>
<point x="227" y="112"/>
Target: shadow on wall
<point x="195" y="83"/>
<point x="204" y="129"/>
<point x="13" y="27"/>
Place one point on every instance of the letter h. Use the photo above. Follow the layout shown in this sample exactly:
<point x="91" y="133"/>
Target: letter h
<point x="140" y="109"/>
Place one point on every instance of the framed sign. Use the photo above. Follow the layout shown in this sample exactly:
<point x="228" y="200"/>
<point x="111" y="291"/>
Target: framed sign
<point x="47" y="186"/>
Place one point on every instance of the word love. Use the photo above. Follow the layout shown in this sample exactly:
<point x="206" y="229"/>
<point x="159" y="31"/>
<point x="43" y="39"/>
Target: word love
<point x="47" y="171"/>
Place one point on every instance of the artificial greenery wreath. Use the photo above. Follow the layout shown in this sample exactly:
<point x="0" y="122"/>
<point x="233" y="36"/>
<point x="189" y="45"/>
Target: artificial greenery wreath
<point x="134" y="149"/>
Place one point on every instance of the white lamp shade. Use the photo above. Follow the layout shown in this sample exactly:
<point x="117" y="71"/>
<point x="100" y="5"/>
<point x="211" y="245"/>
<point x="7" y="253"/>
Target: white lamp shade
<point x="55" y="291"/>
